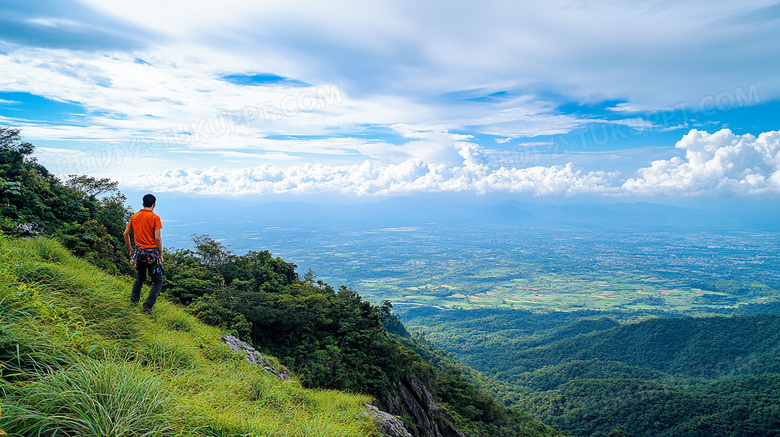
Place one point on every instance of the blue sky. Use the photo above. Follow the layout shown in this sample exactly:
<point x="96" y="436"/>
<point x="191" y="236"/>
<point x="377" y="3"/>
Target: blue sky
<point x="632" y="100"/>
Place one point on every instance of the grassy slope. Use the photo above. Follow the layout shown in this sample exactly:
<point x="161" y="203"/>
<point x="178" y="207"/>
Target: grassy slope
<point x="74" y="357"/>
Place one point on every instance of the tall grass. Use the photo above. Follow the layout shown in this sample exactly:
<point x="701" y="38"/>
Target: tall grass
<point x="75" y="360"/>
<point x="26" y="346"/>
<point x="92" y="398"/>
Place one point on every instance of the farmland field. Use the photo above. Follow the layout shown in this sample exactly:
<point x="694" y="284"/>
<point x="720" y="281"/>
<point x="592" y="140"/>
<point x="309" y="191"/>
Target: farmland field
<point x="520" y="266"/>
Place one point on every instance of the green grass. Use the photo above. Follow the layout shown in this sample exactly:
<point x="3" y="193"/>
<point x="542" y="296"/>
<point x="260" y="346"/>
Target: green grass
<point x="76" y="360"/>
<point x="92" y="398"/>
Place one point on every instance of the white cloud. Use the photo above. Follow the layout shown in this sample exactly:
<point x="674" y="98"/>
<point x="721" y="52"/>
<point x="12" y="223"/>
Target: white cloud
<point x="395" y="61"/>
<point x="410" y="75"/>
<point x="522" y="123"/>
<point x="54" y="22"/>
<point x="430" y="162"/>
<point x="626" y="107"/>
<point x="124" y="99"/>
<point x="367" y="179"/>
<point x="436" y="147"/>
<point x="715" y="164"/>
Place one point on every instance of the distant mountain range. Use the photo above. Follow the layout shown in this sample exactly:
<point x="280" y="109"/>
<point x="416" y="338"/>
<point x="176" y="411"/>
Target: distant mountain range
<point x="424" y="209"/>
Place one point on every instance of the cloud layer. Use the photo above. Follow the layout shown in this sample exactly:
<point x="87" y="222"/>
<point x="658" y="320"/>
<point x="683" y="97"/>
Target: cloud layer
<point x="715" y="164"/>
<point x="418" y="96"/>
<point x="499" y="68"/>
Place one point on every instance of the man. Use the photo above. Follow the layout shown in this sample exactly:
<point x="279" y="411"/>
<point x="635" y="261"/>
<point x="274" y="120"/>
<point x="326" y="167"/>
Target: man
<point x="146" y="226"/>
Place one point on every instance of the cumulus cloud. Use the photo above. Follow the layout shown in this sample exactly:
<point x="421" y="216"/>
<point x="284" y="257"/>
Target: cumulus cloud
<point x="367" y="179"/>
<point x="430" y="166"/>
<point x="440" y="147"/>
<point x="721" y="163"/>
<point x="408" y="79"/>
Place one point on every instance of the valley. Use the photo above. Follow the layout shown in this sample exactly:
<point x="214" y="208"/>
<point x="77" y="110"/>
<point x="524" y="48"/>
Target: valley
<point x="524" y="266"/>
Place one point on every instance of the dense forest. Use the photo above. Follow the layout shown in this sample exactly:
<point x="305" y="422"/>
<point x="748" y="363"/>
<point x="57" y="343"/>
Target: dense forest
<point x="589" y="372"/>
<point x="329" y="337"/>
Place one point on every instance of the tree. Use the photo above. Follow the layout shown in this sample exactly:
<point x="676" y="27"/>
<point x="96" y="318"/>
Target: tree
<point x="390" y="321"/>
<point x="90" y="186"/>
<point x="34" y="201"/>
<point x="212" y="253"/>
<point x="11" y="142"/>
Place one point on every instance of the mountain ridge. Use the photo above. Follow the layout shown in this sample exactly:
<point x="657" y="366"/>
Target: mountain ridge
<point x="651" y="374"/>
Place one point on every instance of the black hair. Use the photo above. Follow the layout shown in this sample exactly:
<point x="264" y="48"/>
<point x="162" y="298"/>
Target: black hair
<point x="149" y="200"/>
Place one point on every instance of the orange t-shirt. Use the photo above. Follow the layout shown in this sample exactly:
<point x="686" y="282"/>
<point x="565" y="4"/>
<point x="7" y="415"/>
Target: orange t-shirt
<point x="143" y="223"/>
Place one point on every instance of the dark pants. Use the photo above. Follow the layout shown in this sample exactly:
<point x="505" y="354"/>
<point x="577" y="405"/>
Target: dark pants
<point x="140" y="276"/>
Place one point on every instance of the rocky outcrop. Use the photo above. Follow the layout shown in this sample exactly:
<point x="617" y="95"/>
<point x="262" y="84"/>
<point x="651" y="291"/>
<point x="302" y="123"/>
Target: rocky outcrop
<point x="389" y="425"/>
<point x="254" y="357"/>
<point x="410" y="397"/>
<point x="414" y="398"/>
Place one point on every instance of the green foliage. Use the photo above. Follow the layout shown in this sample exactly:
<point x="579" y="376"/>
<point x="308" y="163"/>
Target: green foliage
<point x="392" y="322"/>
<point x="210" y="311"/>
<point x="594" y="406"/>
<point x="330" y="338"/>
<point x="33" y="202"/>
<point x="75" y="360"/>
<point x="476" y="413"/>
<point x="90" y="186"/>
<point x="92" y="241"/>
<point x="584" y="373"/>
<point x="11" y="143"/>
<point x="67" y="340"/>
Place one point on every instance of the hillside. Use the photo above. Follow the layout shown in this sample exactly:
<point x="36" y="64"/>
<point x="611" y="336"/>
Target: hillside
<point x="586" y="373"/>
<point x="331" y="338"/>
<point x="75" y="358"/>
<point x="69" y="337"/>
<point x="334" y="339"/>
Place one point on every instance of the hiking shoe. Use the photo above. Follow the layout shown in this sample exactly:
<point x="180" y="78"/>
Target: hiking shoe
<point x="147" y="311"/>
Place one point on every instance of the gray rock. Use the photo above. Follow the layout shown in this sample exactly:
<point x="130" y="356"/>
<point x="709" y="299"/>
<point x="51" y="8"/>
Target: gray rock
<point x="417" y="401"/>
<point x="411" y="396"/>
<point x="389" y="425"/>
<point x="254" y="357"/>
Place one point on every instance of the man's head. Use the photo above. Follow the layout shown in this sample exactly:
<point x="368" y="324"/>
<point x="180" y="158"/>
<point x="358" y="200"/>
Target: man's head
<point x="149" y="201"/>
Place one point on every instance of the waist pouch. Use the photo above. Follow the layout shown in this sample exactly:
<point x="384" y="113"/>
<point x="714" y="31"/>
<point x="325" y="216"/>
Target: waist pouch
<point x="149" y="257"/>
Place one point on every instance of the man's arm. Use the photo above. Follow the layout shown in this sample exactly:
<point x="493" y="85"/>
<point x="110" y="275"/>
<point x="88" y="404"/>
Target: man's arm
<point x="158" y="241"/>
<point x="127" y="239"/>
